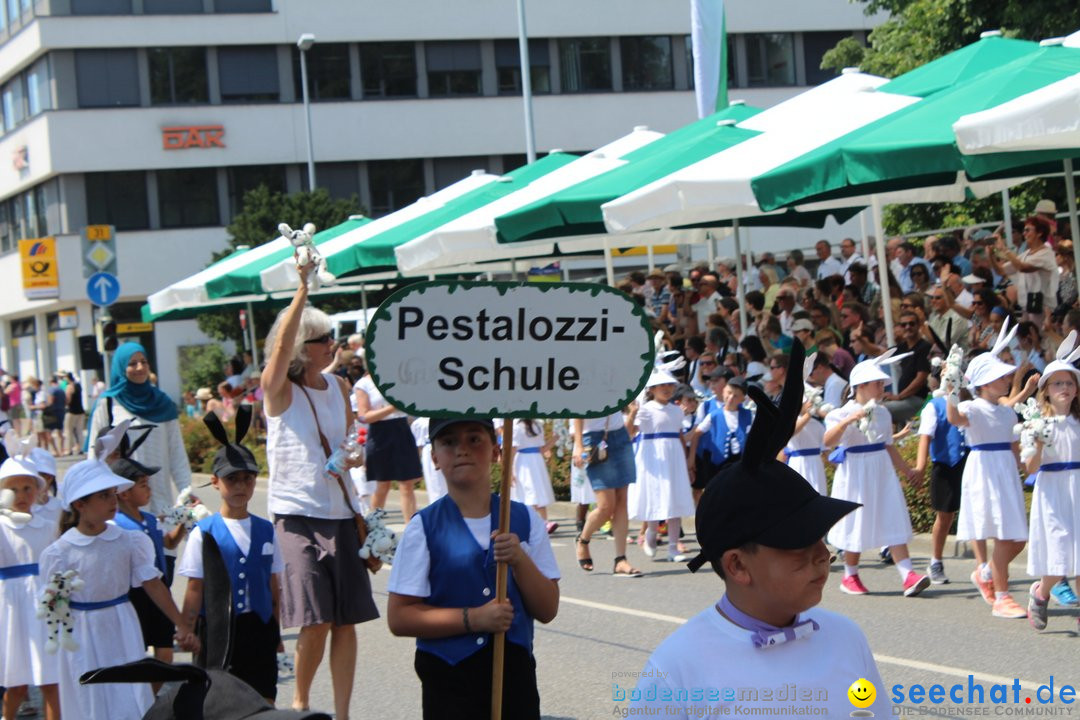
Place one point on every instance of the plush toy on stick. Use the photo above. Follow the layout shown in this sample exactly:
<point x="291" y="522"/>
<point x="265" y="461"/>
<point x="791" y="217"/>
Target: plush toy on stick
<point x="307" y="253"/>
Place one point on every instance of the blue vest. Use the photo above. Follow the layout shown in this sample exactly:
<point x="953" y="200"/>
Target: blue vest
<point x="150" y="527"/>
<point x="250" y="580"/>
<point x="463" y="575"/>
<point x="947" y="446"/>
<point x="720" y="432"/>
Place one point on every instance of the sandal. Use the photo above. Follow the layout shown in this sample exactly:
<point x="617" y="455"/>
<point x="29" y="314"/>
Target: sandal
<point x="585" y="563"/>
<point x="633" y="572"/>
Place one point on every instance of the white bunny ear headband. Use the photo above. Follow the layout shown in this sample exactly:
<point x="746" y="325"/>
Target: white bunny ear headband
<point x="1067" y="354"/>
<point x="20" y="462"/>
<point x="106" y="443"/>
<point x="19" y="447"/>
<point x="870" y="370"/>
<point x="1005" y="337"/>
<point x="988" y="367"/>
<point x="808" y="366"/>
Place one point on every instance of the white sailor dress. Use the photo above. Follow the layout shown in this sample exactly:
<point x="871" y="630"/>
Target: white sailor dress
<point x="991" y="495"/>
<point x="803" y="453"/>
<point x="662" y="489"/>
<point x="23" y="660"/>
<point x="106" y="627"/>
<point x="434" y="480"/>
<point x="1054" y="548"/>
<point x="866" y="476"/>
<point x="532" y="484"/>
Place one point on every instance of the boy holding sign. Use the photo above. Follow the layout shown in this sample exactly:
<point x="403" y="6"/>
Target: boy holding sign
<point x="442" y="587"/>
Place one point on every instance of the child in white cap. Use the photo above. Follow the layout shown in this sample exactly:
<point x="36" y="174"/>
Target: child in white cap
<point x="1054" y="554"/>
<point x="861" y="431"/>
<point x="991" y="496"/>
<point x="109" y="561"/>
<point x="48" y="504"/>
<point x="24" y="535"/>
<point x="662" y="490"/>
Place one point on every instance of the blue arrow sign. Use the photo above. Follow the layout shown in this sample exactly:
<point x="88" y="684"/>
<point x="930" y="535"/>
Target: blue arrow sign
<point x="103" y="289"/>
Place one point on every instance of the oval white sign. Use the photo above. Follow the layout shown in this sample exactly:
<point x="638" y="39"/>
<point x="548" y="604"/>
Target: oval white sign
<point x="485" y="349"/>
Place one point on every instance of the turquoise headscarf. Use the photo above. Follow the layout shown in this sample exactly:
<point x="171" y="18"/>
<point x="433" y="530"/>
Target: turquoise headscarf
<point x="143" y="400"/>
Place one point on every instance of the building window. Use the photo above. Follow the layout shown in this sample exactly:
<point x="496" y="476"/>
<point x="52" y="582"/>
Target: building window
<point x="107" y="78"/>
<point x="13" y="98"/>
<point x="453" y="68"/>
<point x="585" y="64"/>
<point x="815" y="45"/>
<point x="41" y="210"/>
<point x="117" y="198"/>
<point x="508" y="66"/>
<point x="38" y="90"/>
<point x="178" y="76"/>
<point x="451" y="169"/>
<point x="327" y="70"/>
<point x="172" y="7"/>
<point x="388" y="69"/>
<point x="394" y="184"/>
<point x="341" y="179"/>
<point x="100" y="7"/>
<point x="646" y="63"/>
<point x="248" y="74"/>
<point x="23" y="327"/>
<point x="770" y="59"/>
<point x="188" y="198"/>
<point x="245" y="178"/>
<point x="7" y="231"/>
<point x="242" y="6"/>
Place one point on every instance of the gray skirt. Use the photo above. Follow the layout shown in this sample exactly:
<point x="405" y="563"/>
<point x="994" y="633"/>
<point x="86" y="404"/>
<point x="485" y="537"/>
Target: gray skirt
<point x="325" y="581"/>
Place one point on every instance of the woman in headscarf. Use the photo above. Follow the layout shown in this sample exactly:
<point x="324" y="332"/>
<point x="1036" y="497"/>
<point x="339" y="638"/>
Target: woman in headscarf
<point x="131" y="395"/>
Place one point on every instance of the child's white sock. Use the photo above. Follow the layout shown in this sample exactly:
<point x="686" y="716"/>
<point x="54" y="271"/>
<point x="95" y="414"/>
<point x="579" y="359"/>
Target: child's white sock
<point x="934" y="560"/>
<point x="673" y="526"/>
<point x="999" y="595"/>
<point x="851" y="570"/>
<point x="650" y="533"/>
<point x="985" y="572"/>
<point x="904" y="567"/>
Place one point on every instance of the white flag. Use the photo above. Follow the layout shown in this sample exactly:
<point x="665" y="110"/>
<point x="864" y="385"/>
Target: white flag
<point x="709" y="36"/>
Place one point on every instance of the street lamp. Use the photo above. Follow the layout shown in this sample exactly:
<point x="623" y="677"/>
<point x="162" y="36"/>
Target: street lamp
<point x="304" y="43"/>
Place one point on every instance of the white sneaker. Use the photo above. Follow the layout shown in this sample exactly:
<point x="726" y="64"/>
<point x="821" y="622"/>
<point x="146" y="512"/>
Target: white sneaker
<point x="678" y="558"/>
<point x="650" y="550"/>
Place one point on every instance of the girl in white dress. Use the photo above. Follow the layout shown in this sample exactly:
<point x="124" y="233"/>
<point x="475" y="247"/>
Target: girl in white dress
<point x="47" y="504"/>
<point x="865" y="456"/>
<point x="109" y="561"/>
<point x="532" y="484"/>
<point x="991" y="496"/>
<point x="1054" y="554"/>
<point x="434" y="480"/>
<point x="662" y="490"/>
<point x="23" y="660"/>
<point x="803" y="451"/>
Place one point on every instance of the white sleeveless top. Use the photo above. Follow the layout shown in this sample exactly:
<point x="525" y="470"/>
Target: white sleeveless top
<point x="298" y="483"/>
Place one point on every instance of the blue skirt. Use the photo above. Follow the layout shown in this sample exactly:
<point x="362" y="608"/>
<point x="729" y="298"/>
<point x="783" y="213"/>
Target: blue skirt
<point x="618" y="470"/>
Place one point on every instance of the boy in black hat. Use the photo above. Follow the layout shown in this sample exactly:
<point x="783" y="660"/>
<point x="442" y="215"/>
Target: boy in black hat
<point x="233" y="565"/>
<point x="761" y="526"/>
<point x="157" y="629"/>
<point x="442" y="588"/>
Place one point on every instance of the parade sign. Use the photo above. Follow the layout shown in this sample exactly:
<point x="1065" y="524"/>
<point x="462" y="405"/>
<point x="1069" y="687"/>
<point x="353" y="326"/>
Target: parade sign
<point x="482" y="349"/>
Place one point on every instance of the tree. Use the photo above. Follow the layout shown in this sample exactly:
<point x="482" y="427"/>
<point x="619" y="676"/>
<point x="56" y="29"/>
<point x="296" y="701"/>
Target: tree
<point x="919" y="31"/>
<point x="255" y="225"/>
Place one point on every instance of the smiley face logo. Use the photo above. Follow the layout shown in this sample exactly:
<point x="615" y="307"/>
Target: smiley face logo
<point x="862" y="693"/>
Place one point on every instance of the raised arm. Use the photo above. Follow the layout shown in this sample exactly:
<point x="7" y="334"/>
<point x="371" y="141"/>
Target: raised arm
<point x="275" y="377"/>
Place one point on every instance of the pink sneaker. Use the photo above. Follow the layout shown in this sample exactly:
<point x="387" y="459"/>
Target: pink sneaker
<point x="1008" y="608"/>
<point x="915" y="584"/>
<point x="986" y="587"/>
<point x="853" y="586"/>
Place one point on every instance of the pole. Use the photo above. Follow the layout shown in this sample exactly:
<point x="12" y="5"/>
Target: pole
<point x="307" y="120"/>
<point x="883" y="269"/>
<point x="252" y="335"/>
<point x="1006" y="214"/>
<point x="652" y="259"/>
<point x="865" y="238"/>
<point x="526" y="83"/>
<point x="501" y="570"/>
<point x="740" y="292"/>
<point x="710" y="250"/>
<point x="609" y="266"/>
<point x="1070" y="192"/>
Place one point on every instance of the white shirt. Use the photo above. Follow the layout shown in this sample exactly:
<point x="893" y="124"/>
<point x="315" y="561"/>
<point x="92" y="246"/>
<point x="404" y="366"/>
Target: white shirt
<point x="928" y="421"/>
<point x="712" y="654"/>
<point x="412" y="561"/>
<point x="1044" y="280"/>
<point x="833" y="393"/>
<point x="612" y="422"/>
<point x="704" y="308"/>
<point x="829" y="266"/>
<point x="376" y="400"/>
<point x="191" y="564"/>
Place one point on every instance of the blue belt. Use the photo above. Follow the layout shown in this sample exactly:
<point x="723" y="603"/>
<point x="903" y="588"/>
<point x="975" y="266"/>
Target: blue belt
<point x="656" y="436"/>
<point x="1051" y="467"/>
<point x="528" y="450"/>
<point x="992" y="447"/>
<point x="101" y="605"/>
<point x="17" y="571"/>
<point x="838" y="455"/>
<point x="805" y="452"/>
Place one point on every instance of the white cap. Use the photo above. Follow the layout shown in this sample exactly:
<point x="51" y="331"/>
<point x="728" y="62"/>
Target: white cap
<point x="659" y="377"/>
<point x="987" y="368"/>
<point x="87" y="478"/>
<point x="20" y="461"/>
<point x="1067" y="353"/>
<point x="870" y="370"/>
<point x="44" y="461"/>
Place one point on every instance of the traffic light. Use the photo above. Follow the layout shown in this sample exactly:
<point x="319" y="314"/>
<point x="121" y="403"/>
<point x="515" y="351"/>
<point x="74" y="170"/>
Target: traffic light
<point x="106" y="335"/>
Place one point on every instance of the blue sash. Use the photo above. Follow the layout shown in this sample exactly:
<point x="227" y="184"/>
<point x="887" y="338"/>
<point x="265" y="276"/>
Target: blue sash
<point x="992" y="447"/>
<point x="838" y="455"/>
<point x="17" y="571"/>
<point x="1030" y="479"/>
<point x="805" y="452"/>
<point x="528" y="450"/>
<point x="658" y="436"/>
<point x="100" y="605"/>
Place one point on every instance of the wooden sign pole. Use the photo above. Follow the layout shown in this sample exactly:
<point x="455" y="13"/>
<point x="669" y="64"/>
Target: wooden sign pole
<point x="499" y="647"/>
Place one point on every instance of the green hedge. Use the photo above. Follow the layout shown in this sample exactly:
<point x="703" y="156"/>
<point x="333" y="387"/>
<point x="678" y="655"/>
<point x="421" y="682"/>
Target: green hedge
<point x="201" y="445"/>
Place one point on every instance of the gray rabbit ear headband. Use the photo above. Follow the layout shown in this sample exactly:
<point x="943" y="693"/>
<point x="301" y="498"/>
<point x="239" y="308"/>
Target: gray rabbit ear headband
<point x="232" y="457"/>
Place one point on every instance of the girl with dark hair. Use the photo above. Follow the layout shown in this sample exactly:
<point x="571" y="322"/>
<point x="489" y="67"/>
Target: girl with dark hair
<point x="754" y="354"/>
<point x="532" y="484"/>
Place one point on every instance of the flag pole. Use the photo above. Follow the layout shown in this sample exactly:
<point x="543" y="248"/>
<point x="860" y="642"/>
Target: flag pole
<point x="501" y="571"/>
<point x="526" y="83"/>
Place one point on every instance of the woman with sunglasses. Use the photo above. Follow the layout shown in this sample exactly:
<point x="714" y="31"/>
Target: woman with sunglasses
<point x="325" y="587"/>
<point x="982" y="324"/>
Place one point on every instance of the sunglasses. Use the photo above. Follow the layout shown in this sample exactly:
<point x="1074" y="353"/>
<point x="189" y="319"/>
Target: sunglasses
<point x="908" y="324"/>
<point x="977" y="302"/>
<point x="707" y="362"/>
<point x="775" y="367"/>
<point x="937" y="297"/>
<point x="320" y="340"/>
<point x="906" y="305"/>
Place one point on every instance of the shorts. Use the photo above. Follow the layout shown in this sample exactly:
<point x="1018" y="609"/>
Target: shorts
<point x="324" y="581"/>
<point x="463" y="691"/>
<point x="157" y="629"/>
<point x="390" y="452"/>
<point x="945" y="483"/>
<point x="619" y="469"/>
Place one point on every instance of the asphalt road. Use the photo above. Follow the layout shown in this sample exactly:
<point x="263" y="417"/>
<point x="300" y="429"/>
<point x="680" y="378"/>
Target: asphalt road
<point x="609" y="625"/>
